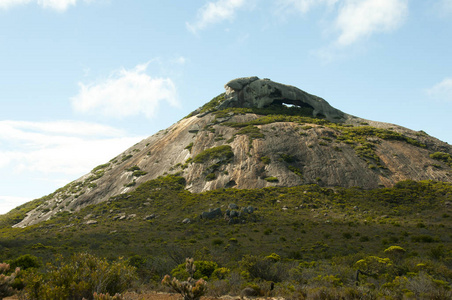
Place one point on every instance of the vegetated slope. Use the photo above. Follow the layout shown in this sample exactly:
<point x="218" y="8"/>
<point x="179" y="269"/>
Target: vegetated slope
<point x="235" y="142"/>
<point x="161" y="218"/>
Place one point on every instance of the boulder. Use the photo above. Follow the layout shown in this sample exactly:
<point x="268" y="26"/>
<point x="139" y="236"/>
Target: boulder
<point x="212" y="214"/>
<point x="233" y="206"/>
<point x="255" y="92"/>
<point x="149" y="217"/>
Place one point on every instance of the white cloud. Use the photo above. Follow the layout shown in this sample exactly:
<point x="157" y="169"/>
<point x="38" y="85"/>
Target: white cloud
<point x="126" y="93"/>
<point x="58" y="5"/>
<point x="215" y="12"/>
<point x="58" y="147"/>
<point x="442" y="90"/>
<point x="358" y="19"/>
<point x="355" y="19"/>
<point x="8" y="203"/>
<point x="302" y="6"/>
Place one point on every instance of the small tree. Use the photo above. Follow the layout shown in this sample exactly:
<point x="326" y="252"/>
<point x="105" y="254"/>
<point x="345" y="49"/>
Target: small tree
<point x="190" y="289"/>
<point x="6" y="281"/>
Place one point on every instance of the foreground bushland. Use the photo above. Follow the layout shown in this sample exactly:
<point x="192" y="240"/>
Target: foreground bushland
<point x="308" y="240"/>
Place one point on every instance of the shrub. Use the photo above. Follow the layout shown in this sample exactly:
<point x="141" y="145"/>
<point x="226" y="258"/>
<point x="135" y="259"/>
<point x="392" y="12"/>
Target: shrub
<point x="252" y="131"/>
<point x="189" y="147"/>
<point x="220" y="273"/>
<point x="190" y="289"/>
<point x="83" y="275"/>
<point x="266" y="160"/>
<point x="211" y="176"/>
<point x="25" y="262"/>
<point x="271" y="179"/>
<point x="106" y="296"/>
<point x="223" y="153"/>
<point x="442" y="156"/>
<point x="423" y="238"/>
<point x="7" y="281"/>
<point x="266" y="268"/>
<point x="203" y="269"/>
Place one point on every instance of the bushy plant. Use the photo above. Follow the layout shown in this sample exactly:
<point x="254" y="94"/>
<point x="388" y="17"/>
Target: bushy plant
<point x="6" y="281"/>
<point x="107" y="296"/>
<point x="203" y="269"/>
<point x="190" y="289"/>
<point x="83" y="275"/>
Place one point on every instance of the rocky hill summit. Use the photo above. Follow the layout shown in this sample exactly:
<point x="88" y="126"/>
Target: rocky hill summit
<point x="258" y="134"/>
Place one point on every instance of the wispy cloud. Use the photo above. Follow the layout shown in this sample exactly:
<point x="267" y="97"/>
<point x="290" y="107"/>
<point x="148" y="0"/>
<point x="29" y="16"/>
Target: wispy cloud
<point x="65" y="147"/>
<point x="442" y="90"/>
<point x="350" y="21"/>
<point x="359" y="19"/>
<point x="126" y="93"/>
<point x="215" y="12"/>
<point x="58" y="5"/>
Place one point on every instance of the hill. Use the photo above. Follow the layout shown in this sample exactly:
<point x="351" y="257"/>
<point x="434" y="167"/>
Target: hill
<point x="263" y="183"/>
<point x="260" y="134"/>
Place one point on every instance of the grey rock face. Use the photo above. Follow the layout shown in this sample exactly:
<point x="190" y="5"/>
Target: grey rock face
<point x="255" y="92"/>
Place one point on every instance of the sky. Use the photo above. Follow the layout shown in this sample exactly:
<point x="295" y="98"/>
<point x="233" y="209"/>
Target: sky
<point x="83" y="80"/>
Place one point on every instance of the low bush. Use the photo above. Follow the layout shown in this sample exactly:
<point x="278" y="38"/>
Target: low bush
<point x="80" y="277"/>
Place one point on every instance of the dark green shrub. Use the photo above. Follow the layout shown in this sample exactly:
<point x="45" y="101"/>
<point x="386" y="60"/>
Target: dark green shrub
<point x="271" y="179"/>
<point x="223" y="153"/>
<point x="266" y="160"/>
<point x="211" y="177"/>
<point x="203" y="269"/>
<point x="442" y="156"/>
<point x="423" y="239"/>
<point x="252" y="131"/>
<point x="80" y="277"/>
<point x="25" y="262"/>
<point x="189" y="147"/>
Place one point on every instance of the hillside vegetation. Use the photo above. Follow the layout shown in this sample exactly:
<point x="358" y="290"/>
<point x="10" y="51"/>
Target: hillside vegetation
<point x="294" y="236"/>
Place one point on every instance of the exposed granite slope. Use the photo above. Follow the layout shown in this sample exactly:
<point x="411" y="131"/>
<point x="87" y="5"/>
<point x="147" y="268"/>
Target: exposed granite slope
<point x="339" y="150"/>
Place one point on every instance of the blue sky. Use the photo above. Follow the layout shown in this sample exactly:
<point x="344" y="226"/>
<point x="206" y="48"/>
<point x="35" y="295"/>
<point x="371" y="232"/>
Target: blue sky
<point x="83" y="80"/>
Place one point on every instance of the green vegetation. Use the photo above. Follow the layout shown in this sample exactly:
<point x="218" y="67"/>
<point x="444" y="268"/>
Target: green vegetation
<point x="252" y="131"/>
<point x="139" y="173"/>
<point x="266" y="160"/>
<point x="444" y="157"/>
<point x="126" y="157"/>
<point x="223" y="153"/>
<point x="100" y="167"/>
<point x="7" y="281"/>
<point x="133" y="168"/>
<point x="189" y="147"/>
<point x="189" y="289"/>
<point x="212" y="104"/>
<point x="296" y="171"/>
<point x="271" y="179"/>
<point x="80" y="277"/>
<point x="306" y="239"/>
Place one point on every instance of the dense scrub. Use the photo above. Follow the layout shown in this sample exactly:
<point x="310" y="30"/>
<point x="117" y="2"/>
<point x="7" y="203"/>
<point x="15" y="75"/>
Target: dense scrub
<point x="305" y="239"/>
